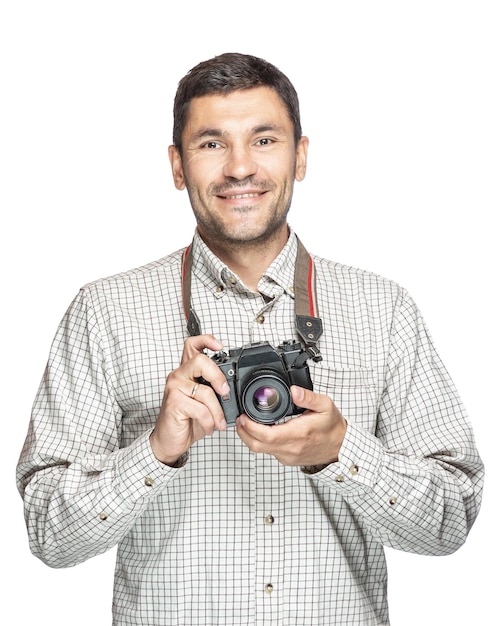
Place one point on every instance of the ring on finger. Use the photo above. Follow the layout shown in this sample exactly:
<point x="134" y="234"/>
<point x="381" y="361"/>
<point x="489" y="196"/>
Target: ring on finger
<point x="194" y="389"/>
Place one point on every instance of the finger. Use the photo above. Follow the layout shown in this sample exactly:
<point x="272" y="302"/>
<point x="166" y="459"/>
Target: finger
<point x="263" y="438"/>
<point x="258" y="437"/>
<point x="307" y="399"/>
<point x="191" y="395"/>
<point x="203" y="406"/>
<point x="204" y="422"/>
<point x="195" y="345"/>
<point x="198" y="367"/>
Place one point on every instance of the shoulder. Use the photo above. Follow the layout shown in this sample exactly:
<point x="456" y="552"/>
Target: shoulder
<point x="156" y="274"/>
<point x="346" y="277"/>
<point x="361" y="294"/>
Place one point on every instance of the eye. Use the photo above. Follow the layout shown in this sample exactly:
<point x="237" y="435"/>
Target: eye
<point x="264" y="141"/>
<point x="211" y="145"/>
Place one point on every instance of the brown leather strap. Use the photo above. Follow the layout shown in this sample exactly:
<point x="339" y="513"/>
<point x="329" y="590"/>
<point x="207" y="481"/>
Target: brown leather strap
<point x="193" y="324"/>
<point x="308" y="324"/>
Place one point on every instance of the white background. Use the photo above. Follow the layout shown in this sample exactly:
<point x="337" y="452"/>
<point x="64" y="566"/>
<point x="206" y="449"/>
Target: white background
<point x="400" y="102"/>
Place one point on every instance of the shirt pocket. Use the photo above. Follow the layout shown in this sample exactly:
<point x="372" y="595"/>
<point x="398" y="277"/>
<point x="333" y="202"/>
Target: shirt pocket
<point x="352" y="390"/>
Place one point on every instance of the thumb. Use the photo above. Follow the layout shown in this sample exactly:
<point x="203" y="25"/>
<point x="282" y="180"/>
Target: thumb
<point x="305" y="398"/>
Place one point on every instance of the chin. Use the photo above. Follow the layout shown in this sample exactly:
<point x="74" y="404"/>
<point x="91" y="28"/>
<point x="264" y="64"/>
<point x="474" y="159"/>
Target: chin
<point x="252" y="236"/>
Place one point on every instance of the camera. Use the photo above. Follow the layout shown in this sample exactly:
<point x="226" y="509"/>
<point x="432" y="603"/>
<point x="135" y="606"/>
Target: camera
<point x="260" y="377"/>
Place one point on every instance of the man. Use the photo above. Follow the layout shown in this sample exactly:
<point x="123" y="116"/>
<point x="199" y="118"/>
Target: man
<point x="239" y="520"/>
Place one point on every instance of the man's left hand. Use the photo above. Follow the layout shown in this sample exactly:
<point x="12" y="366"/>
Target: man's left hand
<point x="313" y="438"/>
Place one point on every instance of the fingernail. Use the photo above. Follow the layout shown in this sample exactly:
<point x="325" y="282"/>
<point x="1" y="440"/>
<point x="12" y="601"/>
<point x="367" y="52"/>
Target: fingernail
<point x="225" y="391"/>
<point x="298" y="393"/>
<point x="223" y="425"/>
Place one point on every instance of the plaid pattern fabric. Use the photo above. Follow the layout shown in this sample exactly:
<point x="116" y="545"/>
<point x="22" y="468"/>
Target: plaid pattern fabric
<point x="234" y="538"/>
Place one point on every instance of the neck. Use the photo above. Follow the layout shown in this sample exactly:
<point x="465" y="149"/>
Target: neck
<point x="250" y="260"/>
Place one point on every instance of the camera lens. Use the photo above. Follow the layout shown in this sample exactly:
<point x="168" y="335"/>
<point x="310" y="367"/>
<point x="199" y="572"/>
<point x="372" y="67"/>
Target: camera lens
<point x="265" y="396"/>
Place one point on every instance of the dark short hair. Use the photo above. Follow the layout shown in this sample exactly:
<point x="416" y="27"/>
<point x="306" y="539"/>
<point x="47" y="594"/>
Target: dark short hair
<point x="232" y="72"/>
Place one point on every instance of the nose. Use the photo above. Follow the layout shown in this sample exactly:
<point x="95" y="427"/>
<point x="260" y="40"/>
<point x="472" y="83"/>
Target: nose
<point x="239" y="163"/>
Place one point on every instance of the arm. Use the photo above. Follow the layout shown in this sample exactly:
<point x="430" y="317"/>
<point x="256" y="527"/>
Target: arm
<point x="82" y="492"/>
<point x="416" y="482"/>
<point x="419" y="480"/>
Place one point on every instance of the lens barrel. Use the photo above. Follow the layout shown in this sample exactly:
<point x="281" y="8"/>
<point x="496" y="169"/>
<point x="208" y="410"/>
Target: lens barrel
<point x="265" y="396"/>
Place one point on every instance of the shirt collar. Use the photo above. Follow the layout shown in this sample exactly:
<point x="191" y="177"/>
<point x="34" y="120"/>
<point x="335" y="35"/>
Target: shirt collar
<point x="278" y="277"/>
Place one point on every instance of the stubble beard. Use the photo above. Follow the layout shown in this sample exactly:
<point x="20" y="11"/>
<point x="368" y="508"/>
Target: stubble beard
<point x="218" y="235"/>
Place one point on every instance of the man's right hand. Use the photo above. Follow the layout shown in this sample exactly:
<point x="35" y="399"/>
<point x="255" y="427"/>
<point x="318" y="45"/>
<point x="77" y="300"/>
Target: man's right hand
<point x="190" y="410"/>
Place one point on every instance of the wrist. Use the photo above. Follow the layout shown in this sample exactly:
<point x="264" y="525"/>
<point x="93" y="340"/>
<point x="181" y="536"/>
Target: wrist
<point x="180" y="461"/>
<point x="171" y="460"/>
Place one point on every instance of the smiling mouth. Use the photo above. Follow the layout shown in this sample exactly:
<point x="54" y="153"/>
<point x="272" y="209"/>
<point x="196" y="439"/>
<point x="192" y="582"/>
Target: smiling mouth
<point x="239" y="196"/>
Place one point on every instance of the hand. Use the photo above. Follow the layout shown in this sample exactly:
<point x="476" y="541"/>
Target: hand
<point x="313" y="438"/>
<point x="189" y="410"/>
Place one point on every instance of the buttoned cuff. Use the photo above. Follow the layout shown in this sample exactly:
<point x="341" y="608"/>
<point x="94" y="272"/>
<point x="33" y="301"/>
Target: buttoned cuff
<point x="358" y="467"/>
<point x="139" y="474"/>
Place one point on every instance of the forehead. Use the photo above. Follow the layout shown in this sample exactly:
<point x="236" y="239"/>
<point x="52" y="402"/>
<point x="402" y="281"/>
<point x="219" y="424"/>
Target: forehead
<point x="239" y="111"/>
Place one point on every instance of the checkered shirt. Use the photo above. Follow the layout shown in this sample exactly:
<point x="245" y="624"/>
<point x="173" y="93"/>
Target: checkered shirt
<point x="235" y="538"/>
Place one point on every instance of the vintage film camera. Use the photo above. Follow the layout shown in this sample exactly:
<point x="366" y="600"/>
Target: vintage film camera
<point x="260" y="377"/>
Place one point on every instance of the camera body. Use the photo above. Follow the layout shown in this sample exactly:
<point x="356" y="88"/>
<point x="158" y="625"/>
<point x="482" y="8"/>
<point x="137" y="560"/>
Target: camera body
<point x="260" y="377"/>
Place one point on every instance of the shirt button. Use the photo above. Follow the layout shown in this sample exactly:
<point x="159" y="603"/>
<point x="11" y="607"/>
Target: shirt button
<point x="260" y="319"/>
<point x="148" y="481"/>
<point x="269" y="519"/>
<point x="339" y="479"/>
<point x="354" y="469"/>
<point x="232" y="280"/>
<point x="392" y="501"/>
<point x="268" y="588"/>
<point x="220" y="289"/>
<point x="103" y="516"/>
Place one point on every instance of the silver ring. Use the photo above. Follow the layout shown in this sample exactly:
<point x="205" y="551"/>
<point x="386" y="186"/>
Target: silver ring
<point x="194" y="389"/>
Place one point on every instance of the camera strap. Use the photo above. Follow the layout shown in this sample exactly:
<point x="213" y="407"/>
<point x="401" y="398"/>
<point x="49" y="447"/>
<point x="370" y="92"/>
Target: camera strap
<point x="308" y="325"/>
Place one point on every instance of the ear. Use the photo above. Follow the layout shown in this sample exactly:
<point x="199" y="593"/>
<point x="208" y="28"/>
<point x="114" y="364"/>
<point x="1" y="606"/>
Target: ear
<point x="301" y="157"/>
<point x="176" y="167"/>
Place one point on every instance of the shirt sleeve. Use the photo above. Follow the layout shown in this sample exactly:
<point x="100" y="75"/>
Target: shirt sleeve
<point x="82" y="493"/>
<point x="417" y="481"/>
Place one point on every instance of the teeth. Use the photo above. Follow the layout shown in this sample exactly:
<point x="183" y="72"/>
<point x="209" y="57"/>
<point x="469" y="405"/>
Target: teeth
<point x="244" y="195"/>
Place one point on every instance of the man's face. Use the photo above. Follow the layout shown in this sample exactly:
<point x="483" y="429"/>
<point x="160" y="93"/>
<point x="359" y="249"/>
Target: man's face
<point x="238" y="162"/>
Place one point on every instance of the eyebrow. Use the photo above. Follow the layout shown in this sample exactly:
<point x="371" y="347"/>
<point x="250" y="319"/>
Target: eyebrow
<point x="207" y="132"/>
<point x="255" y="130"/>
<point x="264" y="128"/>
